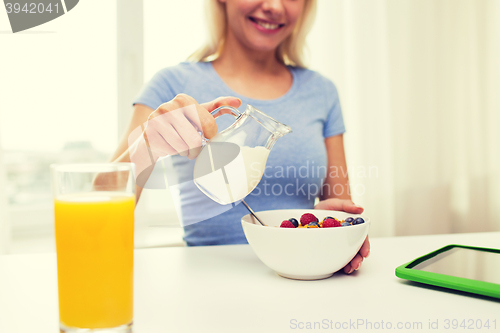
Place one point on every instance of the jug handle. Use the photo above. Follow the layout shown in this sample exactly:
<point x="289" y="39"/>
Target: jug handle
<point x="231" y="110"/>
<point x="219" y="112"/>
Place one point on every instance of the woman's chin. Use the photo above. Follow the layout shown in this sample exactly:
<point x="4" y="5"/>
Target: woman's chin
<point x="264" y="46"/>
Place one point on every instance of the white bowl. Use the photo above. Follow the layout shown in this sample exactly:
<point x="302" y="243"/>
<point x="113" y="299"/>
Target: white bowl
<point x="304" y="253"/>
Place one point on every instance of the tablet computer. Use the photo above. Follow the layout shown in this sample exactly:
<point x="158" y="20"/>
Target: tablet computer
<point x="466" y="268"/>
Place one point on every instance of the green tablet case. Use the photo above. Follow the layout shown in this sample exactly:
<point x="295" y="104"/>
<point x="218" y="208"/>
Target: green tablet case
<point x="447" y="281"/>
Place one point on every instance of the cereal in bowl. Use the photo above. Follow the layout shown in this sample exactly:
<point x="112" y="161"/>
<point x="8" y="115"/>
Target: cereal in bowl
<point x="309" y="220"/>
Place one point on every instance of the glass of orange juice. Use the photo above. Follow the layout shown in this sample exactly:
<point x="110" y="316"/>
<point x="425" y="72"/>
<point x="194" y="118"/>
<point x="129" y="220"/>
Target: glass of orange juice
<point x="94" y="227"/>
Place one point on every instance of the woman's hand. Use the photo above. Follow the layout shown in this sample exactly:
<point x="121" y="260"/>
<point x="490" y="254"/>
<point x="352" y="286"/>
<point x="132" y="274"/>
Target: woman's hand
<point x="349" y="207"/>
<point x="173" y="129"/>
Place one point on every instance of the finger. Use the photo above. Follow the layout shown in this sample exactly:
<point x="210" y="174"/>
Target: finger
<point x="218" y="102"/>
<point x="160" y="133"/>
<point x="157" y="145"/>
<point x="206" y="122"/>
<point x="192" y="113"/>
<point x="189" y="135"/>
<point x="180" y="102"/>
<point x="356" y="262"/>
<point x="168" y="132"/>
<point x="339" y="205"/>
<point x="207" y="119"/>
<point x="348" y="269"/>
<point x="351" y="207"/>
<point x="365" y="248"/>
<point x="185" y="106"/>
<point x="330" y="204"/>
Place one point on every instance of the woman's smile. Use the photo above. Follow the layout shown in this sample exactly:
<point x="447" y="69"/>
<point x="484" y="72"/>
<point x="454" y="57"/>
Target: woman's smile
<point x="265" y="26"/>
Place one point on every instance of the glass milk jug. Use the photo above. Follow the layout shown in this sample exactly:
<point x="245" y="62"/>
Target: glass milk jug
<point x="231" y="164"/>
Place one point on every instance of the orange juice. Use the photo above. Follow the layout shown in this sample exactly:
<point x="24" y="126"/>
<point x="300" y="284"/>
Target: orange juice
<point x="95" y="241"/>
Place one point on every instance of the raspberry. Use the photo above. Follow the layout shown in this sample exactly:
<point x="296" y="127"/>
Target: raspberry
<point x="331" y="223"/>
<point x="307" y="218"/>
<point x="287" y="224"/>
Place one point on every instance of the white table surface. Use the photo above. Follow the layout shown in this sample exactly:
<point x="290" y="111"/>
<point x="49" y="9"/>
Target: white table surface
<point x="227" y="289"/>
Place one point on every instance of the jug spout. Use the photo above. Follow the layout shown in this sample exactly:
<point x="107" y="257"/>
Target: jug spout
<point x="283" y="130"/>
<point x="275" y="127"/>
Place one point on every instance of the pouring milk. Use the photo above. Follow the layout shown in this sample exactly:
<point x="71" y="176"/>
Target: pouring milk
<point x="233" y="181"/>
<point x="232" y="163"/>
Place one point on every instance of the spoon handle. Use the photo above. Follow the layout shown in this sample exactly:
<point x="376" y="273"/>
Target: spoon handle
<point x="252" y="212"/>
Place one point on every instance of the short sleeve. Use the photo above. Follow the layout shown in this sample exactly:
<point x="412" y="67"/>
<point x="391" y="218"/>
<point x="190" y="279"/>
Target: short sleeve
<point x="160" y="89"/>
<point x="334" y="123"/>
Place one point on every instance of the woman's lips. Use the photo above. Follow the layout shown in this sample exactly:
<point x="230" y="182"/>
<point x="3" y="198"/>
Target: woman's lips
<point x="266" y="26"/>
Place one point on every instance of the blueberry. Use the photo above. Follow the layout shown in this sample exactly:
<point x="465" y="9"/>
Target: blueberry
<point x="349" y="219"/>
<point x="359" y="220"/>
<point x="313" y="225"/>
<point x="294" y="222"/>
<point x="345" y="224"/>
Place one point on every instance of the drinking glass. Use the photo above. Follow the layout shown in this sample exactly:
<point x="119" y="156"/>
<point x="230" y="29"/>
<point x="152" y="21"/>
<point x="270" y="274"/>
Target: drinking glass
<point x="94" y="227"/>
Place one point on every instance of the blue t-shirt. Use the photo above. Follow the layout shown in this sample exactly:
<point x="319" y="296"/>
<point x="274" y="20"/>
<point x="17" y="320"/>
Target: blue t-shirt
<point x="296" y="167"/>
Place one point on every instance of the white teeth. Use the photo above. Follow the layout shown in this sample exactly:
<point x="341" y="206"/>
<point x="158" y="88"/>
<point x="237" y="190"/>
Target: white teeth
<point x="268" y="26"/>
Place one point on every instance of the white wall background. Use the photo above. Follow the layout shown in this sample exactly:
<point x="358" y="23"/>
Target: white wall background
<point x="58" y="80"/>
<point x="4" y="216"/>
<point x="418" y="81"/>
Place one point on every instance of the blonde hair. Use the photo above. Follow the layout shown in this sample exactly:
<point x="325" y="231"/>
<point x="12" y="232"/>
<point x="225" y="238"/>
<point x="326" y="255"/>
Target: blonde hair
<point x="289" y="52"/>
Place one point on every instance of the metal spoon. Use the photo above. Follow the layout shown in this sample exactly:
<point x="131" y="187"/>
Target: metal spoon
<point x="252" y="212"/>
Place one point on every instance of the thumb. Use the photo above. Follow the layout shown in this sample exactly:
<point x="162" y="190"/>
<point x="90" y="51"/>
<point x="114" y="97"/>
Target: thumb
<point x="340" y="205"/>
<point x="218" y="102"/>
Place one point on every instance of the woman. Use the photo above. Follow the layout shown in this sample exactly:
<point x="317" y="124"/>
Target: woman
<point x="256" y="56"/>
